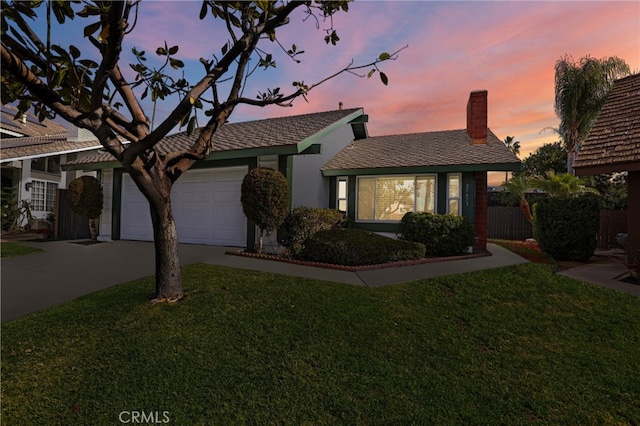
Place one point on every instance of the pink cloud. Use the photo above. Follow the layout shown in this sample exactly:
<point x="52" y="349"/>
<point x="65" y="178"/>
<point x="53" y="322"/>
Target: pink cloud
<point x="508" y="48"/>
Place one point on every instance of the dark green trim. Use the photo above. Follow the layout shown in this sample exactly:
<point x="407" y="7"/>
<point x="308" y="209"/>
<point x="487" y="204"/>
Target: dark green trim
<point x="252" y="163"/>
<point x="441" y="193"/>
<point x="333" y="192"/>
<point x="116" y="204"/>
<point x="235" y="162"/>
<point x="351" y="199"/>
<point x="304" y="144"/>
<point x="497" y="167"/>
<point x="468" y="195"/>
<point x="316" y="148"/>
<point x="359" y="127"/>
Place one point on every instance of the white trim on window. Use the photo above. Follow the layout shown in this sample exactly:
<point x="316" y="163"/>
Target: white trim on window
<point x="403" y="198"/>
<point x="342" y="190"/>
<point x="43" y="195"/>
<point x="454" y="191"/>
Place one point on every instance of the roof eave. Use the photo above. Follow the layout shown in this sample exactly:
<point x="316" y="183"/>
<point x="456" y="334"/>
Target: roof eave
<point x="317" y="137"/>
<point x="446" y="168"/>
<point x="596" y="169"/>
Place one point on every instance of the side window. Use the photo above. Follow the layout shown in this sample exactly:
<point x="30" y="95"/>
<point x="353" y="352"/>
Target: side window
<point x="454" y="185"/>
<point x="342" y="194"/>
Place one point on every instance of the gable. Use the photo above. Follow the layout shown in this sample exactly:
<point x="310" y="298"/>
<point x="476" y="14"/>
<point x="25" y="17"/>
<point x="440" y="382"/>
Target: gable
<point x="613" y="143"/>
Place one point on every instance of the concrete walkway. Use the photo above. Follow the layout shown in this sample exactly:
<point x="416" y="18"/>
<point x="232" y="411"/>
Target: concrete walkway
<point x="67" y="270"/>
<point x="604" y="270"/>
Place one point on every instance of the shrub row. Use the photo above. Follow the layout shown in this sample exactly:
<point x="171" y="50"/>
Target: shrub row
<point x="442" y="234"/>
<point x="302" y="222"/>
<point x="354" y="247"/>
<point x="566" y="228"/>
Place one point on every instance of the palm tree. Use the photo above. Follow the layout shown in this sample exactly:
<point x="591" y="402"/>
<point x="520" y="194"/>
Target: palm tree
<point x="514" y="146"/>
<point x="518" y="185"/>
<point x="580" y="91"/>
<point x="561" y="185"/>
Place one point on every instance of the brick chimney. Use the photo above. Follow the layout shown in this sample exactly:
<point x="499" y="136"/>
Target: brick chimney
<point x="477" y="117"/>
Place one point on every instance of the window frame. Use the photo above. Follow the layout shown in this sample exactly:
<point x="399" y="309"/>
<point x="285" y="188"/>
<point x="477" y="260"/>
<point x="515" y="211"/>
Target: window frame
<point x="415" y="178"/>
<point x="345" y="180"/>
<point x="47" y="187"/>
<point x="459" y="195"/>
<point x="49" y="163"/>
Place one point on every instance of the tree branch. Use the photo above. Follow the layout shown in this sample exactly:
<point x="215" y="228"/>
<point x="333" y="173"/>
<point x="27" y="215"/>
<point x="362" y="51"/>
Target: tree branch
<point x="110" y="54"/>
<point x="36" y="86"/>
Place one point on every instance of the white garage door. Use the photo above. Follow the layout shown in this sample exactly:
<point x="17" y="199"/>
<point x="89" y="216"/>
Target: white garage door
<point x="206" y="207"/>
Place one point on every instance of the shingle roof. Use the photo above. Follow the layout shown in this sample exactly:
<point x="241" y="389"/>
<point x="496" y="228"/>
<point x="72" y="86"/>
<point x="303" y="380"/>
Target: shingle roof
<point x="31" y="125"/>
<point x="613" y="143"/>
<point x="430" y="149"/>
<point x="266" y="133"/>
<point x="42" y="146"/>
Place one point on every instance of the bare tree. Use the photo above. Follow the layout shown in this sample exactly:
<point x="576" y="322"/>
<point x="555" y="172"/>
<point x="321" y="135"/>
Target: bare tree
<point x="93" y="93"/>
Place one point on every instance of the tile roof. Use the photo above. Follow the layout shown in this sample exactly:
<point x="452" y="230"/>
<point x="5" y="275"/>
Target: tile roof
<point x="613" y="143"/>
<point x="41" y="146"/>
<point x="31" y="125"/>
<point x="266" y="133"/>
<point x="430" y="149"/>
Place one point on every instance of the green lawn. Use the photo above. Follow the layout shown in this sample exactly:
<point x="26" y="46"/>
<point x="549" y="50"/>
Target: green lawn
<point x="516" y="345"/>
<point x="9" y="248"/>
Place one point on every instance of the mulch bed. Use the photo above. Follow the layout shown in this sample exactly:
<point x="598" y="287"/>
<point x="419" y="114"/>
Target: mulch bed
<point x="279" y="258"/>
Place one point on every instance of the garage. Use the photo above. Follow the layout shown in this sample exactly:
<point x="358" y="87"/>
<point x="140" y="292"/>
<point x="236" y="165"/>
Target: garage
<point x="206" y="207"/>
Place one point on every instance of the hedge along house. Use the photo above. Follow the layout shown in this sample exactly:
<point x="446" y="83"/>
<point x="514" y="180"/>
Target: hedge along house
<point x="377" y="180"/>
<point x="613" y="145"/>
<point x="206" y="199"/>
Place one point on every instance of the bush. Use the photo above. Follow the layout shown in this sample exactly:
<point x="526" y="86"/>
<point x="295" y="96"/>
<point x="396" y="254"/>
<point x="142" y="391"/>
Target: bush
<point x="265" y="198"/>
<point x="85" y="198"/>
<point x="442" y="234"/>
<point x="302" y="222"/>
<point x="566" y="228"/>
<point x="354" y="247"/>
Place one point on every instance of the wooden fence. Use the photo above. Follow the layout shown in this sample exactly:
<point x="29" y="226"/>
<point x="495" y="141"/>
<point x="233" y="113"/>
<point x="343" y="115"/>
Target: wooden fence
<point x="612" y="222"/>
<point x="69" y="225"/>
<point x="508" y="223"/>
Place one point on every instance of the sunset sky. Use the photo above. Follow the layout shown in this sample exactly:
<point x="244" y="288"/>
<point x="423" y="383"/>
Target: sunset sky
<point x="506" y="47"/>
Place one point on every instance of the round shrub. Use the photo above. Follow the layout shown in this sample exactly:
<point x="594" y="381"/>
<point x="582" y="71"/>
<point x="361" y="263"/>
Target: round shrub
<point x="85" y="196"/>
<point x="566" y="228"/>
<point x="442" y="234"/>
<point x="355" y="247"/>
<point x="302" y="222"/>
<point x="265" y="198"/>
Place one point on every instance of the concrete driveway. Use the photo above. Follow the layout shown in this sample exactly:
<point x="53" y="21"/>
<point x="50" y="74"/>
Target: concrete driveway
<point x="67" y="270"/>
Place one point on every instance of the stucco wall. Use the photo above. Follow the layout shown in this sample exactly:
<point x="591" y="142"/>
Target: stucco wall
<point x="310" y="188"/>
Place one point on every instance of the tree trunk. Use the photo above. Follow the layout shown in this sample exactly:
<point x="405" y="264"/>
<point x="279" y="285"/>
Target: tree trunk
<point x="93" y="230"/>
<point x="571" y="157"/>
<point x="168" y="275"/>
<point x="525" y="209"/>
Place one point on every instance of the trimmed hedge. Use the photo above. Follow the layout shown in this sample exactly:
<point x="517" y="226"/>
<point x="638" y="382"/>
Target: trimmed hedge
<point x="442" y="234"/>
<point x="355" y="247"/>
<point x="265" y="197"/>
<point x="302" y="222"/>
<point x="85" y="196"/>
<point x="566" y="228"/>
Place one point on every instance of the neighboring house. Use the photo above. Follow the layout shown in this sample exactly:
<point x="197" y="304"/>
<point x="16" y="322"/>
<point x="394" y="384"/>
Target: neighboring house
<point x="329" y="161"/>
<point x="31" y="154"/>
<point x="613" y="145"/>
<point x="381" y="178"/>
